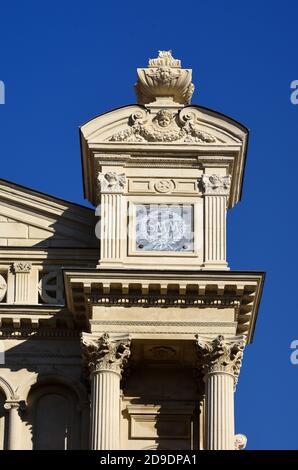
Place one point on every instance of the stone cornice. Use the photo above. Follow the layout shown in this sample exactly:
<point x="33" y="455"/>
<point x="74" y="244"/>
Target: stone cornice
<point x="50" y="214"/>
<point x="217" y="289"/>
<point x="38" y="321"/>
<point x="105" y="352"/>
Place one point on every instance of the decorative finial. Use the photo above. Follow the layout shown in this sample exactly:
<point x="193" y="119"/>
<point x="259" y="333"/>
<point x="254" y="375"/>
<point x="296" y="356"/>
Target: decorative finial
<point x="164" y="80"/>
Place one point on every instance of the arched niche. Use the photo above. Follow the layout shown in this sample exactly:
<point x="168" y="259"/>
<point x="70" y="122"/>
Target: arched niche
<point x="53" y="415"/>
<point x="78" y="389"/>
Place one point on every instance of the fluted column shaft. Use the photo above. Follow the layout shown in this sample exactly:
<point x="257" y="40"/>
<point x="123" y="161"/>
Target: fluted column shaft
<point x="219" y="424"/>
<point x="105" y="410"/>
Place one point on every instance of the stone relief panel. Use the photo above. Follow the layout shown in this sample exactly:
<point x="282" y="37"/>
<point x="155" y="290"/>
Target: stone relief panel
<point x="165" y="126"/>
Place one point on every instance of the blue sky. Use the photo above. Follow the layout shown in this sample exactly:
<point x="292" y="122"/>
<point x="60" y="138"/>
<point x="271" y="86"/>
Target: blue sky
<point x="64" y="62"/>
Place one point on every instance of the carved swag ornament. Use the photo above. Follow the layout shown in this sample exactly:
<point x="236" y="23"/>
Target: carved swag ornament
<point x="166" y="126"/>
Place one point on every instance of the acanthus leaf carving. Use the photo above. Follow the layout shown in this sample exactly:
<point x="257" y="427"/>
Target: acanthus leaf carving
<point x="165" y="126"/>
<point x="21" y="267"/>
<point x="216" y="185"/>
<point x="220" y="354"/>
<point x="105" y="353"/>
<point x="111" y="182"/>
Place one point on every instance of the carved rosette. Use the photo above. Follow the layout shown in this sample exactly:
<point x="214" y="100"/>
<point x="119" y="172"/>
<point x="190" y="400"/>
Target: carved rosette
<point x="165" y="126"/>
<point x="214" y="185"/>
<point x="220" y="354"/>
<point x="50" y="288"/>
<point x="104" y="353"/>
<point x="3" y="287"/>
<point x="21" y="267"/>
<point x="111" y="182"/>
<point x="164" y="78"/>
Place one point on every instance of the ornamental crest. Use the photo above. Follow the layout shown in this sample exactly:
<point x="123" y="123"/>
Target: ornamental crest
<point x="165" y="126"/>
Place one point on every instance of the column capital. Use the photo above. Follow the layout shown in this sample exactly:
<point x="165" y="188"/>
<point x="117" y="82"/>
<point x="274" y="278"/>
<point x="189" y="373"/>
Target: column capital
<point x="216" y="185"/>
<point x="220" y="354"/>
<point x="111" y="182"/>
<point x="105" y="352"/>
<point x="21" y="267"/>
<point x="13" y="404"/>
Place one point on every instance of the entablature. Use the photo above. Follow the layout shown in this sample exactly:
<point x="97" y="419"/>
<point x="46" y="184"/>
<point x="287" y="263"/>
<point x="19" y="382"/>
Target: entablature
<point x="151" y="296"/>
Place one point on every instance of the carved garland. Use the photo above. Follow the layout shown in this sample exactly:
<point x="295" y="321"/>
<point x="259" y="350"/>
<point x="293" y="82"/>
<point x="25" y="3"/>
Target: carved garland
<point x="164" y="127"/>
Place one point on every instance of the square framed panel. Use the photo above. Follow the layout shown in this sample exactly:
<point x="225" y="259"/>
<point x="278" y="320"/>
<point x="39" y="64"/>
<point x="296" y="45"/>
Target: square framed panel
<point x="163" y="228"/>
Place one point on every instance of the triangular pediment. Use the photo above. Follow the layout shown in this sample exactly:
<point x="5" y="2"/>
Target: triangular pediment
<point x="29" y="218"/>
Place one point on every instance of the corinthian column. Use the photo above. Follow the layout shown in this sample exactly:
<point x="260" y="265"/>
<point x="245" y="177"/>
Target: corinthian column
<point x="220" y="360"/>
<point x="105" y="358"/>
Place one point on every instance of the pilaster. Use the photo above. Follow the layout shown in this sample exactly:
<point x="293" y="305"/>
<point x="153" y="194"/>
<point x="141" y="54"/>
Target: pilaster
<point x="112" y="217"/>
<point x="216" y="191"/>
<point x="22" y="283"/>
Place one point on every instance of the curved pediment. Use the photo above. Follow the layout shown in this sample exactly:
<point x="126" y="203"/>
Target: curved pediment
<point x="190" y="130"/>
<point x="190" y="125"/>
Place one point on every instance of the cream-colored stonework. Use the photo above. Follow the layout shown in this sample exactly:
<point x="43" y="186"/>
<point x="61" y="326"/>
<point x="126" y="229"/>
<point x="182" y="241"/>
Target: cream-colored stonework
<point x="121" y="330"/>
